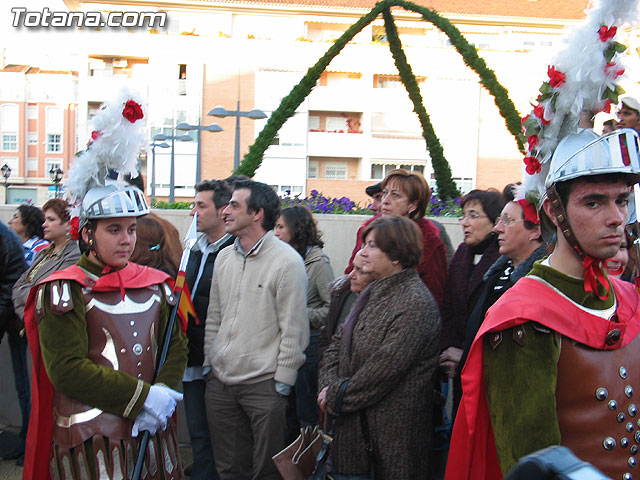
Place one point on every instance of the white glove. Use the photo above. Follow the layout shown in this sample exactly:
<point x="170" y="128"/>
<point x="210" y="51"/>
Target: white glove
<point x="146" y="421"/>
<point x="161" y="402"/>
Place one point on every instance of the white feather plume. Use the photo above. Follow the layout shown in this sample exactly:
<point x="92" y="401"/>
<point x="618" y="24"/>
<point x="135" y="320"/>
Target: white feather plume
<point x="116" y="147"/>
<point x="587" y="78"/>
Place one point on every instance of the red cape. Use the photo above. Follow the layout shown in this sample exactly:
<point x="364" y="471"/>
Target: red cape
<point x="38" y="449"/>
<point x="472" y="455"/>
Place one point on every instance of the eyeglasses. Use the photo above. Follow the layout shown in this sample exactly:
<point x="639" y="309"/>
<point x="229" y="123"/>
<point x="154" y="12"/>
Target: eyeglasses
<point x="472" y="215"/>
<point x="506" y="220"/>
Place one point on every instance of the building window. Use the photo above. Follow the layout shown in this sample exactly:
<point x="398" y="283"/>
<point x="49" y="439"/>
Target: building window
<point x="9" y="121"/>
<point x="312" y="170"/>
<point x="9" y="142"/>
<point x="314" y="123"/>
<point x="335" y="170"/>
<point x="33" y="138"/>
<point x="381" y="170"/>
<point x="337" y="124"/>
<point x="13" y="163"/>
<point x="54" y="143"/>
<point x="32" y="112"/>
<point x="52" y="163"/>
<point x="32" y="164"/>
<point x="54" y="129"/>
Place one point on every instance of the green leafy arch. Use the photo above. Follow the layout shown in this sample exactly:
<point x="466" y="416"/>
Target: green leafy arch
<point x="446" y="186"/>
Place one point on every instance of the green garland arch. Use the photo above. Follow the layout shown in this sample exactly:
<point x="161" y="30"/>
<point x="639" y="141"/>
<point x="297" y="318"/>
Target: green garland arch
<point x="442" y="171"/>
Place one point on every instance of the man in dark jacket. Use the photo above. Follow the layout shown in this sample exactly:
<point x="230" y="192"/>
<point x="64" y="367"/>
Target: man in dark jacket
<point x="12" y="265"/>
<point x="211" y="197"/>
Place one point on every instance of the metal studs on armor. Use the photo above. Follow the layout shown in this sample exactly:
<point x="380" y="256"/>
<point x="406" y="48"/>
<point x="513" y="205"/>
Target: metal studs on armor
<point x="634" y="449"/>
<point x="612" y="405"/>
<point x="629" y="427"/>
<point x="139" y="375"/>
<point x="139" y="364"/>
<point x="633" y="410"/>
<point x="631" y="462"/>
<point x="627" y="476"/>
<point x="624" y="442"/>
<point x="628" y="391"/>
<point x="132" y="323"/>
<point x="602" y="393"/>
<point x="613" y="337"/>
<point x="609" y="443"/>
<point x="137" y="349"/>
<point x="623" y="372"/>
<point x="636" y="436"/>
<point x="135" y="334"/>
<point x="621" y="417"/>
<point x="123" y="350"/>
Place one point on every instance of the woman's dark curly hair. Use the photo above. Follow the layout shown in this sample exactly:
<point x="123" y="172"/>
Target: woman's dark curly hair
<point x="32" y="218"/>
<point x="302" y="228"/>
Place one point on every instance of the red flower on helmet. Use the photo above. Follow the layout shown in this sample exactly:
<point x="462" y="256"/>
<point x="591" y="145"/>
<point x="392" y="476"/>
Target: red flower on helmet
<point x="132" y="111"/>
<point x="609" y="69"/>
<point x="533" y="165"/>
<point x="556" y="78"/>
<point x="529" y="211"/>
<point x="74" y="223"/>
<point x="533" y="141"/>
<point x="538" y="111"/>
<point x="607" y="33"/>
<point x="96" y="134"/>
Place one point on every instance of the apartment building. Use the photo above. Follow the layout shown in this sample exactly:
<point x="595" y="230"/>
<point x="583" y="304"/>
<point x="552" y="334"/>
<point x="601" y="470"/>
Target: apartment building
<point x="37" y="129"/>
<point x="356" y="125"/>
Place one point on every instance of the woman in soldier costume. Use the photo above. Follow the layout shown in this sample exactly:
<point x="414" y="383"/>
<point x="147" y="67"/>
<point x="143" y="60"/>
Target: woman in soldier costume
<point x="95" y="330"/>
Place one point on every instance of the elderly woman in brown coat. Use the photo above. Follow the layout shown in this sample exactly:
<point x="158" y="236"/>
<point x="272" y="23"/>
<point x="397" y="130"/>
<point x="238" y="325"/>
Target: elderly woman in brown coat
<point x="388" y="348"/>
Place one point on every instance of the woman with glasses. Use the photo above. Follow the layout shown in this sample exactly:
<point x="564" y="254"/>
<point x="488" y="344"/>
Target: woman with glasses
<point x="480" y="209"/>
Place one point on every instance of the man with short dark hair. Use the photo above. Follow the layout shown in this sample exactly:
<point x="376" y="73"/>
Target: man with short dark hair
<point x="255" y="336"/>
<point x="554" y="361"/>
<point x="375" y="192"/>
<point x="211" y="198"/>
<point x="629" y="113"/>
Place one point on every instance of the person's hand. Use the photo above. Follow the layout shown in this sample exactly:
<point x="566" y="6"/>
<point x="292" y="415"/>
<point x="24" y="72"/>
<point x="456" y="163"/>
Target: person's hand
<point x="322" y="400"/>
<point x="283" y="389"/>
<point x="449" y="361"/>
<point x="161" y="402"/>
<point x="146" y="421"/>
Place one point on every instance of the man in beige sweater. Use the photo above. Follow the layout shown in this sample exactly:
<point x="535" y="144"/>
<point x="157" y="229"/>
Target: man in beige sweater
<point x="255" y="336"/>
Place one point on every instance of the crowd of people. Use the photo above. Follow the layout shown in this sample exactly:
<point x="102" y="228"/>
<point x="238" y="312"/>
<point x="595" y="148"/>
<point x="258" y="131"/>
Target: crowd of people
<point x="532" y="321"/>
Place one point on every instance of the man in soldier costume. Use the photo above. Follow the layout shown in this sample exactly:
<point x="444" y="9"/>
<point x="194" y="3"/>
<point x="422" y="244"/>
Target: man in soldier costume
<point x="95" y="330"/>
<point x="555" y="361"/>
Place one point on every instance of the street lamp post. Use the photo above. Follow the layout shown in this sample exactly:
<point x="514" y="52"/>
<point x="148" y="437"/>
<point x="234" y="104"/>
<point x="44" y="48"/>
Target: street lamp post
<point x="173" y="138"/>
<point x="6" y="173"/>
<point x="56" y="175"/>
<point x="214" y="127"/>
<point x="254" y="114"/>
<point x="153" y="165"/>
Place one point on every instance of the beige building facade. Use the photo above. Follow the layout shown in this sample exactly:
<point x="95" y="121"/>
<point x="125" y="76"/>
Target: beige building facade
<point x="356" y="125"/>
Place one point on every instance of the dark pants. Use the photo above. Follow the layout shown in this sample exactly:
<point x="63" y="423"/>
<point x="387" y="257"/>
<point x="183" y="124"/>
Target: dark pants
<point x="247" y="428"/>
<point x="302" y="409"/>
<point x="204" y="467"/>
<point x="18" y="349"/>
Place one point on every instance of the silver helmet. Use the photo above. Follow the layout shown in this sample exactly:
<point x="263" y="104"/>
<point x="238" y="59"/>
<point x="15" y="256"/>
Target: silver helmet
<point x="111" y="202"/>
<point x="587" y="154"/>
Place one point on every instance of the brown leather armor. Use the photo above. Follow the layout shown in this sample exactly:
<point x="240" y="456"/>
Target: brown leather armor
<point x="123" y="335"/>
<point x="598" y="395"/>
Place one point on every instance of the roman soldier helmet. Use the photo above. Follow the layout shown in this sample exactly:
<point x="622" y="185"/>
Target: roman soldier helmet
<point x="111" y="202"/>
<point x="586" y="154"/>
<point x="97" y="176"/>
